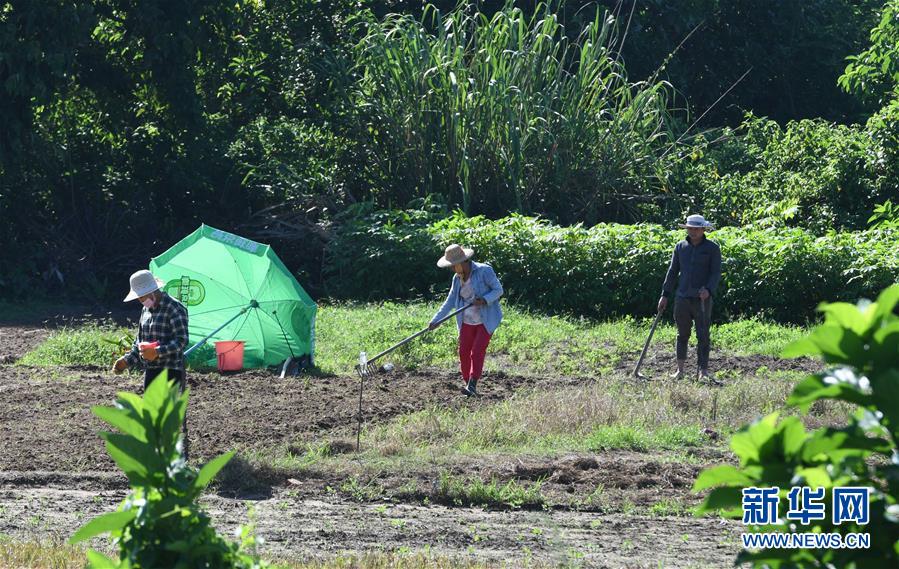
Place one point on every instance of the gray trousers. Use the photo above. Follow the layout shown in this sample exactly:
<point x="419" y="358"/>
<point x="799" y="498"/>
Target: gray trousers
<point x="686" y="312"/>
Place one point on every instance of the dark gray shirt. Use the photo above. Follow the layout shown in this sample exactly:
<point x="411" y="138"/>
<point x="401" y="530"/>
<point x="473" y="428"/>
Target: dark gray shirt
<point x="699" y="266"/>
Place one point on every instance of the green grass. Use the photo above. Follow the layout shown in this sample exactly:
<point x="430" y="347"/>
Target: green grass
<point x="643" y="439"/>
<point x="667" y="421"/>
<point x="754" y="336"/>
<point x="475" y="492"/>
<point x="85" y="345"/>
<point x="526" y="343"/>
<point x="612" y="413"/>
<point x="670" y="507"/>
<point x="40" y="554"/>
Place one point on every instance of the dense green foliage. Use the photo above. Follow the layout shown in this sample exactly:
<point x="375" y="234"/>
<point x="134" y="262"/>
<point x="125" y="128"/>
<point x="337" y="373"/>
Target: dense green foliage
<point x="160" y="524"/>
<point x="874" y="73"/>
<point x="859" y="345"/>
<point x="608" y="269"/>
<point x="123" y="125"/>
<point x="793" y="51"/>
<point x="126" y="125"/>
<point x="809" y="173"/>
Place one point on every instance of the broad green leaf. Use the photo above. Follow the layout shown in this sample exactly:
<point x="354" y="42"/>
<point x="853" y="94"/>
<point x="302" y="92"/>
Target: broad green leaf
<point x="793" y="435"/>
<point x="844" y="315"/>
<point x="210" y="469"/>
<point x="820" y="444"/>
<point x="834" y="444"/>
<point x="156" y="394"/>
<point x="802" y="347"/>
<point x="728" y="499"/>
<point x="885" y="348"/>
<point x="836" y="344"/>
<point x="99" y="561"/>
<point x="135" y="458"/>
<point x="121" y="420"/>
<point x="885" y="387"/>
<point x="723" y="475"/>
<point x="747" y="443"/>
<point x="886" y="301"/>
<point x="131" y="401"/>
<point x="814" y="388"/>
<point x="103" y="524"/>
<point x="180" y="546"/>
<point x="183" y="400"/>
<point x="815" y="477"/>
<point x="171" y="427"/>
<point x="744" y="447"/>
<point x="775" y="471"/>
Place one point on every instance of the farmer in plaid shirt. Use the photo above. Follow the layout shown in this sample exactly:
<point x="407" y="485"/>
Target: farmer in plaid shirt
<point x="163" y="321"/>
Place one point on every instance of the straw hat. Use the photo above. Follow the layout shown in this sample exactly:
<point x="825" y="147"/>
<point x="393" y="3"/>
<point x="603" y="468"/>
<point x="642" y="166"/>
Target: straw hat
<point x="697" y="220"/>
<point x="454" y="255"/>
<point x="142" y="284"/>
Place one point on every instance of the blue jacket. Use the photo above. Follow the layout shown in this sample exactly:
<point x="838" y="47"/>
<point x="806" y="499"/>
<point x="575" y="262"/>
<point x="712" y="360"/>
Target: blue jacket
<point x="486" y="286"/>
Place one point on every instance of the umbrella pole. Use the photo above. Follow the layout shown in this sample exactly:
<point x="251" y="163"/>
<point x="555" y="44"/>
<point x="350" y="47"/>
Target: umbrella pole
<point x="286" y="339"/>
<point x="253" y="304"/>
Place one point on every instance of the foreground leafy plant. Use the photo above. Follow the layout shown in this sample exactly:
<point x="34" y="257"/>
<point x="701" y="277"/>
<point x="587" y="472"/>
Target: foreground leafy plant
<point x="159" y="524"/>
<point x="861" y="344"/>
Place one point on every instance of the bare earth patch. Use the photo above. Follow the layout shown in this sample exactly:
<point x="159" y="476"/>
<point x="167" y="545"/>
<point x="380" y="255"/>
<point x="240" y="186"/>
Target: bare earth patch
<point x="55" y="474"/>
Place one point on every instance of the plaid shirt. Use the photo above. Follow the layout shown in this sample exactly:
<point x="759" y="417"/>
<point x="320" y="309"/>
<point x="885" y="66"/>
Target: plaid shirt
<point x="165" y="323"/>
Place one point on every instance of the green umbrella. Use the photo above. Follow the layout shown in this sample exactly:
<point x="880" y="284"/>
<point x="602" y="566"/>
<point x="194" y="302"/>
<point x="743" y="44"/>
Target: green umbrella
<point x="217" y="275"/>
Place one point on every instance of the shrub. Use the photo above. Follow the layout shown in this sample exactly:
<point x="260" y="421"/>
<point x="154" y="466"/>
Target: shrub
<point x="810" y="173"/>
<point x="159" y="524"/>
<point x="609" y="269"/>
<point x="860" y="345"/>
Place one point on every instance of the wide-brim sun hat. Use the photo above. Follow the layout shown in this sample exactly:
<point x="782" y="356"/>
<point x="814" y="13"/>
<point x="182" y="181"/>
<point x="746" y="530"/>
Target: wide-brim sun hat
<point x="454" y="255"/>
<point x="142" y="283"/>
<point x="697" y="220"/>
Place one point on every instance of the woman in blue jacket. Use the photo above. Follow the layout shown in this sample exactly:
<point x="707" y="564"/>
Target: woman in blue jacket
<point x="475" y="284"/>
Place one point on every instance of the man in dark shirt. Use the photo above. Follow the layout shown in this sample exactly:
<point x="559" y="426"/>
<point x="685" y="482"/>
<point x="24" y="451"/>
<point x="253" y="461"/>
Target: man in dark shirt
<point x="162" y="334"/>
<point x="698" y="262"/>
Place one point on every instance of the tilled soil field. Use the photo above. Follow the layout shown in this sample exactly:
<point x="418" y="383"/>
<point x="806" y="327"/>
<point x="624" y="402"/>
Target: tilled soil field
<point x="55" y="474"/>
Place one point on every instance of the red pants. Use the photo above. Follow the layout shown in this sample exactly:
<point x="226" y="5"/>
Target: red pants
<point x="473" y="342"/>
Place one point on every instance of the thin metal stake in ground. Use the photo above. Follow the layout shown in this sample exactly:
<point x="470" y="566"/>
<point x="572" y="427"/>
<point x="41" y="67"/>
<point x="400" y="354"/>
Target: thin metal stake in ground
<point x="365" y="369"/>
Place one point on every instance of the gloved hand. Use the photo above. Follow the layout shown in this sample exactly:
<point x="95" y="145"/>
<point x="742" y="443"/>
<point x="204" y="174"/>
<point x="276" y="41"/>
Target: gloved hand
<point x="119" y="366"/>
<point x="149" y="353"/>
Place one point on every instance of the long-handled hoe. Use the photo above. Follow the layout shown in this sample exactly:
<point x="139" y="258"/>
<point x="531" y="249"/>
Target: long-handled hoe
<point x="365" y="368"/>
<point x="646" y="347"/>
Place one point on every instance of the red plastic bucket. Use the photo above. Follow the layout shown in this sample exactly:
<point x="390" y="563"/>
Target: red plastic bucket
<point x="230" y="355"/>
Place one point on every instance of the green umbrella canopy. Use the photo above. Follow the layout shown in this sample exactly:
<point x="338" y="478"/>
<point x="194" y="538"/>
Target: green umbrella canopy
<point x="216" y="274"/>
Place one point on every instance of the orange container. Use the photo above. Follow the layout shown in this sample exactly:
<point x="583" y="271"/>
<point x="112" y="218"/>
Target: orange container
<point x="230" y="355"/>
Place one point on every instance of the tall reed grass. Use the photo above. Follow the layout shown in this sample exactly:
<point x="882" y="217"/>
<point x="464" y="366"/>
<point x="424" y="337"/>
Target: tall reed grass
<point x="510" y="114"/>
